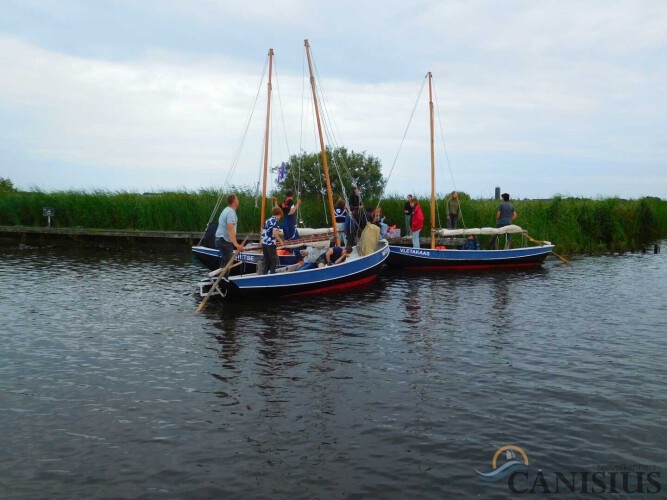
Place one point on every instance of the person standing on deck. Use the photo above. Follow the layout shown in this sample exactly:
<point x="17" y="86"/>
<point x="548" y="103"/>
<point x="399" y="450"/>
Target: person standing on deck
<point x="289" y="212"/>
<point x="340" y="213"/>
<point x="416" y="222"/>
<point x="225" y="236"/>
<point x="453" y="210"/>
<point x="354" y="204"/>
<point x="505" y="216"/>
<point x="408" y="215"/>
<point x="270" y="240"/>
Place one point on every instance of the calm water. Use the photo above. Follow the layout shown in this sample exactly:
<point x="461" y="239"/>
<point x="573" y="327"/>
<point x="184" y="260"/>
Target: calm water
<point x="111" y="385"/>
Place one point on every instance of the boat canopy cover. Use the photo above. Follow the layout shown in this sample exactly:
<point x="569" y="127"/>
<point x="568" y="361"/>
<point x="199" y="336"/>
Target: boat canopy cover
<point x="511" y="229"/>
<point x="309" y="231"/>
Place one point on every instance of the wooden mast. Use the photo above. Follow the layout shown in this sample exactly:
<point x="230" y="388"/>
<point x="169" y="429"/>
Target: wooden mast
<point x="430" y="105"/>
<point x="325" y="163"/>
<point x="266" y="147"/>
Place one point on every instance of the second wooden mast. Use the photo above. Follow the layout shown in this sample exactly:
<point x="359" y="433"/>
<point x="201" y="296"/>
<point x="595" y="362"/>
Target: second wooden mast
<point x="266" y="147"/>
<point x="430" y="106"/>
<point x="325" y="163"/>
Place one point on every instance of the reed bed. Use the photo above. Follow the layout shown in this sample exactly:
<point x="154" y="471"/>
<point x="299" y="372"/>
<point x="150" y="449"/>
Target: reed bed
<point x="576" y="225"/>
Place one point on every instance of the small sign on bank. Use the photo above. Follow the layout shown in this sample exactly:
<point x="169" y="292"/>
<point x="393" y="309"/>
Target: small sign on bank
<point x="48" y="212"/>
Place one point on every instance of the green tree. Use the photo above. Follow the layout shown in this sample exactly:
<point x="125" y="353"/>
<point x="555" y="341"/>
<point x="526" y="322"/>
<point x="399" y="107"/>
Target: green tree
<point x="6" y="186"/>
<point x="305" y="173"/>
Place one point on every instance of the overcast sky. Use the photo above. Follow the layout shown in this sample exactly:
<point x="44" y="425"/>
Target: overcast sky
<point x="537" y="97"/>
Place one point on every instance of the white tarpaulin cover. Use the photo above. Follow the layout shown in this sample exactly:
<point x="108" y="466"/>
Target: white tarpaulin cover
<point x="511" y="229"/>
<point x="309" y="231"/>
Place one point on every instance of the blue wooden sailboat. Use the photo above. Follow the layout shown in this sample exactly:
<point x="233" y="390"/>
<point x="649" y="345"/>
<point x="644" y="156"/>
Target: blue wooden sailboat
<point x="455" y="259"/>
<point x="361" y="266"/>
<point x="209" y="255"/>
<point x="356" y="270"/>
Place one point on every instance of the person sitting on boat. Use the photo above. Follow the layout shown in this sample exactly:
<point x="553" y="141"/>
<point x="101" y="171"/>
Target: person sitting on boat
<point x="505" y="216"/>
<point x="310" y="256"/>
<point x="417" y="221"/>
<point x="225" y="236"/>
<point x="340" y="213"/>
<point x="271" y="240"/>
<point x="289" y="212"/>
<point x="378" y="220"/>
<point x="335" y="255"/>
<point x="472" y="243"/>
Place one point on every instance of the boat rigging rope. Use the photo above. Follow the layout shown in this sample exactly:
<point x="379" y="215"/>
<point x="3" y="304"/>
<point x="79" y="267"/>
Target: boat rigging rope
<point x="405" y="133"/>
<point x="331" y="131"/>
<point x="280" y="105"/>
<point x="237" y="154"/>
<point x="444" y="147"/>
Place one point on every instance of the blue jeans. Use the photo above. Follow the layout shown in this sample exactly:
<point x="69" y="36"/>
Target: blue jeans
<point x="453" y="221"/>
<point x="415" y="239"/>
<point x="408" y="221"/>
<point x="341" y="233"/>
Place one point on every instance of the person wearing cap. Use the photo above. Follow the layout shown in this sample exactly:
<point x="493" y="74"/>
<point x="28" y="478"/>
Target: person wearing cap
<point x="505" y="216"/>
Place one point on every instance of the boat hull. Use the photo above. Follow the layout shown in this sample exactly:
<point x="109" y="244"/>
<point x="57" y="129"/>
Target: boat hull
<point x="334" y="278"/>
<point x="425" y="258"/>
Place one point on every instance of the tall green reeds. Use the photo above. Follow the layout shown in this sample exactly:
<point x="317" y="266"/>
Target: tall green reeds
<point x="573" y="224"/>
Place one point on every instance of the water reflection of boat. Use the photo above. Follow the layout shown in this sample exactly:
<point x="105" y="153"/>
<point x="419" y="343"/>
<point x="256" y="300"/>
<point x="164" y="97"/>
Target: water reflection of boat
<point x="453" y="258"/>
<point x="360" y="267"/>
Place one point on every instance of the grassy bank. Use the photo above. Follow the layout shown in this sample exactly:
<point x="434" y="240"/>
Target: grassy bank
<point x="574" y="224"/>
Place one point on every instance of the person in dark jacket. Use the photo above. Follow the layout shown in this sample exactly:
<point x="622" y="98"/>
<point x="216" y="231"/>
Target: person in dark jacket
<point x="472" y="243"/>
<point x="335" y="255"/>
<point x="417" y="222"/>
<point x="408" y="215"/>
<point x="354" y="206"/>
<point x="289" y="212"/>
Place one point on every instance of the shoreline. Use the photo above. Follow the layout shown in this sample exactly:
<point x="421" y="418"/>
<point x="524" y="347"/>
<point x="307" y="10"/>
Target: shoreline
<point x="43" y="236"/>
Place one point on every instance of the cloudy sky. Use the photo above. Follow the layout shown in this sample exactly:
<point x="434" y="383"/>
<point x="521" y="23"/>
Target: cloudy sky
<point x="537" y="97"/>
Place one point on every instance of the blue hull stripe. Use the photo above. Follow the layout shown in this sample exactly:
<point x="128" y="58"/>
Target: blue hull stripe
<point x="313" y="276"/>
<point x="460" y="256"/>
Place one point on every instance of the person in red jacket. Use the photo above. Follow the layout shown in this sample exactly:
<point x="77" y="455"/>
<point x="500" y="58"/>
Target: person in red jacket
<point x="417" y="221"/>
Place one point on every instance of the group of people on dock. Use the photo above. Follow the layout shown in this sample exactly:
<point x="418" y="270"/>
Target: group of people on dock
<point x="351" y="218"/>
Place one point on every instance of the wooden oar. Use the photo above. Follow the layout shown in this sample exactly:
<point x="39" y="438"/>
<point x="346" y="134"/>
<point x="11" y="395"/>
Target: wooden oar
<point x="563" y="259"/>
<point x="220" y="276"/>
<point x="213" y="274"/>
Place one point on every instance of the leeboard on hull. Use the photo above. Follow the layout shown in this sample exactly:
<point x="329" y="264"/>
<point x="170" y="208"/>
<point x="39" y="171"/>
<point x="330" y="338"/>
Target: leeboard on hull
<point x="426" y="258"/>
